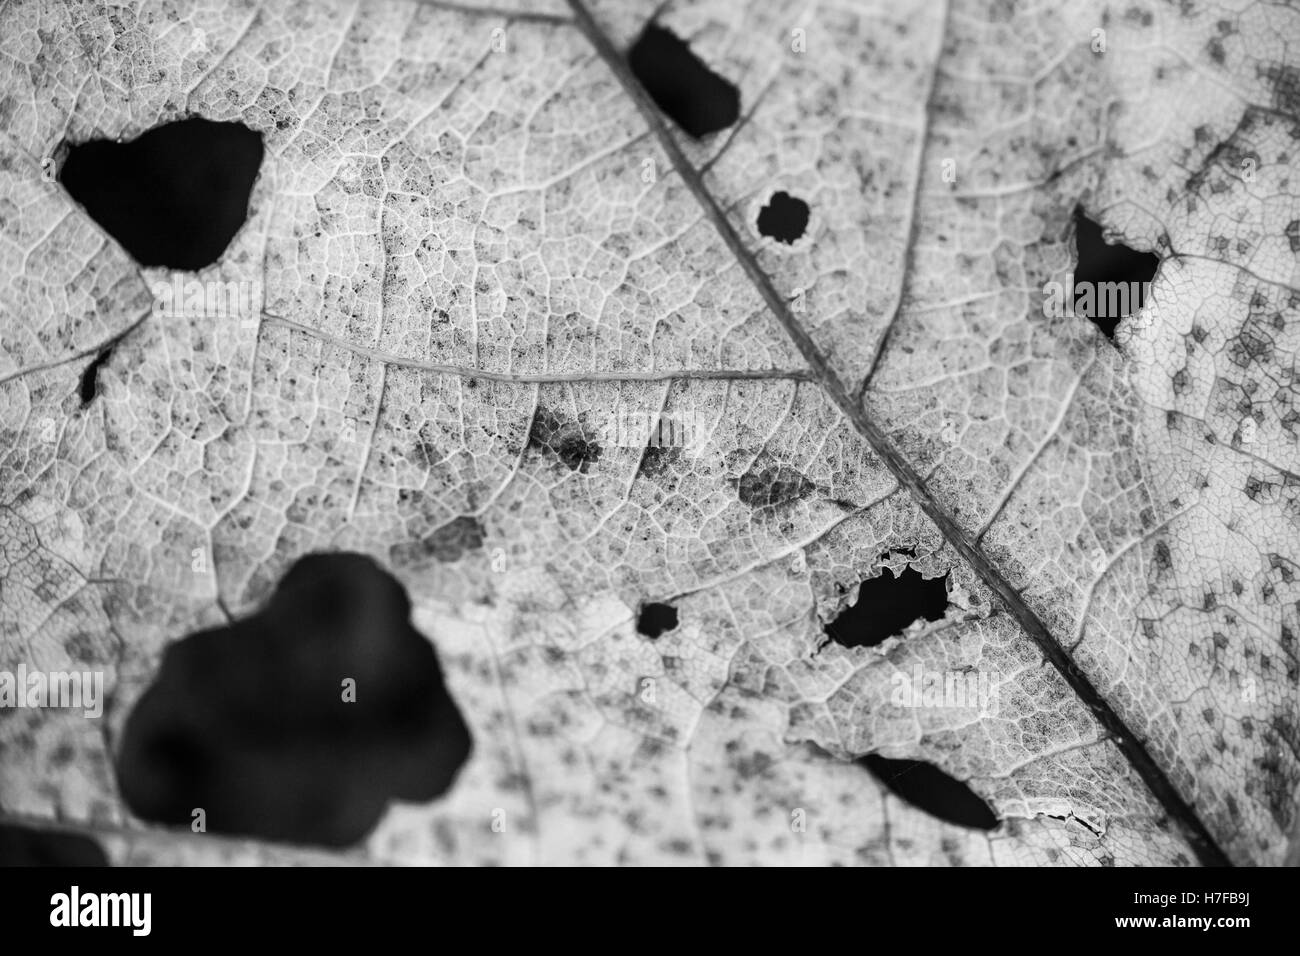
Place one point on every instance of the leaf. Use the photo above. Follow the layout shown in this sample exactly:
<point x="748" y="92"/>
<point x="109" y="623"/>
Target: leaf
<point x="490" y="277"/>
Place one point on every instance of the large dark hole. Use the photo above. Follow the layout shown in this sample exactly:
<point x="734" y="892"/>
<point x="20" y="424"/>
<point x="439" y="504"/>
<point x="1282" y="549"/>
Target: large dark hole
<point x="784" y="218"/>
<point x="692" y="95"/>
<point x="656" y="618"/>
<point x="300" y="722"/>
<point x="26" y="846"/>
<point x="1110" y="281"/>
<point x="886" y="605"/>
<point x="928" y="788"/>
<point x="175" y="196"/>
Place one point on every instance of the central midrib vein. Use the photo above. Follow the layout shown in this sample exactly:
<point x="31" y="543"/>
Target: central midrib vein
<point x="1202" y="842"/>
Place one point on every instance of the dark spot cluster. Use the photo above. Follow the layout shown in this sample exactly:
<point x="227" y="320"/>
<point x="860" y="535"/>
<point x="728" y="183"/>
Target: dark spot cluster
<point x="657" y="459"/>
<point x="1277" y="780"/>
<point x="423" y="452"/>
<point x="566" y="440"/>
<point x="1252" y="345"/>
<point x="769" y="486"/>
<point x="455" y="539"/>
<point x="1222" y="168"/>
<point x="1257" y="488"/>
<point x="1139" y="16"/>
<point x="1214" y="46"/>
<point x="1285" y="81"/>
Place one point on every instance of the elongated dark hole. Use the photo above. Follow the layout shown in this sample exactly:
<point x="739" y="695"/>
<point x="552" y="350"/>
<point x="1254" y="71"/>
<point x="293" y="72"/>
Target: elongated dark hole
<point x="928" y="788"/>
<point x="886" y="605"/>
<point x="689" y="93"/>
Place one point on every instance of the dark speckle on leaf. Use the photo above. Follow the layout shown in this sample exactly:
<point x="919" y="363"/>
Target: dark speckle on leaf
<point x="1285" y="81"/>
<point x="455" y="539"/>
<point x="767" y="486"/>
<point x="657" y="459"/>
<point x="565" y="440"/>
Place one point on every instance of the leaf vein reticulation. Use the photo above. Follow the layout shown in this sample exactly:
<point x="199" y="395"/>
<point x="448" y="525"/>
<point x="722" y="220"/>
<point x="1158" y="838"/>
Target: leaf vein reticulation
<point x="1133" y="749"/>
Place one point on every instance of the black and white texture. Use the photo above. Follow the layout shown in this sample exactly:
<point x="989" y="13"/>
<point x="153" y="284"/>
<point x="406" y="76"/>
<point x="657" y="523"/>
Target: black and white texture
<point x="673" y="389"/>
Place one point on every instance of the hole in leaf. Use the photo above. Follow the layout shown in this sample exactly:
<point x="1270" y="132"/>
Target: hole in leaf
<point x="886" y="605"/>
<point x="175" y="196"/>
<point x="928" y="788"/>
<point x="655" y="619"/>
<point x="27" y="846"/>
<point x="1110" y="280"/>
<point x="300" y="722"/>
<point x="90" y="377"/>
<point x="784" y="218"/>
<point x="689" y="93"/>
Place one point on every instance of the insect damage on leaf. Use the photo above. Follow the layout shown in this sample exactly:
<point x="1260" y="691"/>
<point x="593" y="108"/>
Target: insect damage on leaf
<point x="886" y="605"/>
<point x="656" y="618"/>
<point x="300" y="722"/>
<point x="90" y="377"/>
<point x="693" y="96"/>
<point x="474" y="259"/>
<point x="784" y="218"/>
<point x="175" y="196"/>
<point x="925" y="786"/>
<point x="1111" y="281"/>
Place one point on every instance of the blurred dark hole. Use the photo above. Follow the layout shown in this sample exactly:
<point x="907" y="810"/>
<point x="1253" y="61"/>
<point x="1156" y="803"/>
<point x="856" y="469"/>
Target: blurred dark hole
<point x="655" y="619"/>
<point x="252" y="724"/>
<point x="27" y="846"/>
<point x="928" y="788"/>
<point x="886" y="605"/>
<point x="173" y="197"/>
<point x="693" y="96"/>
